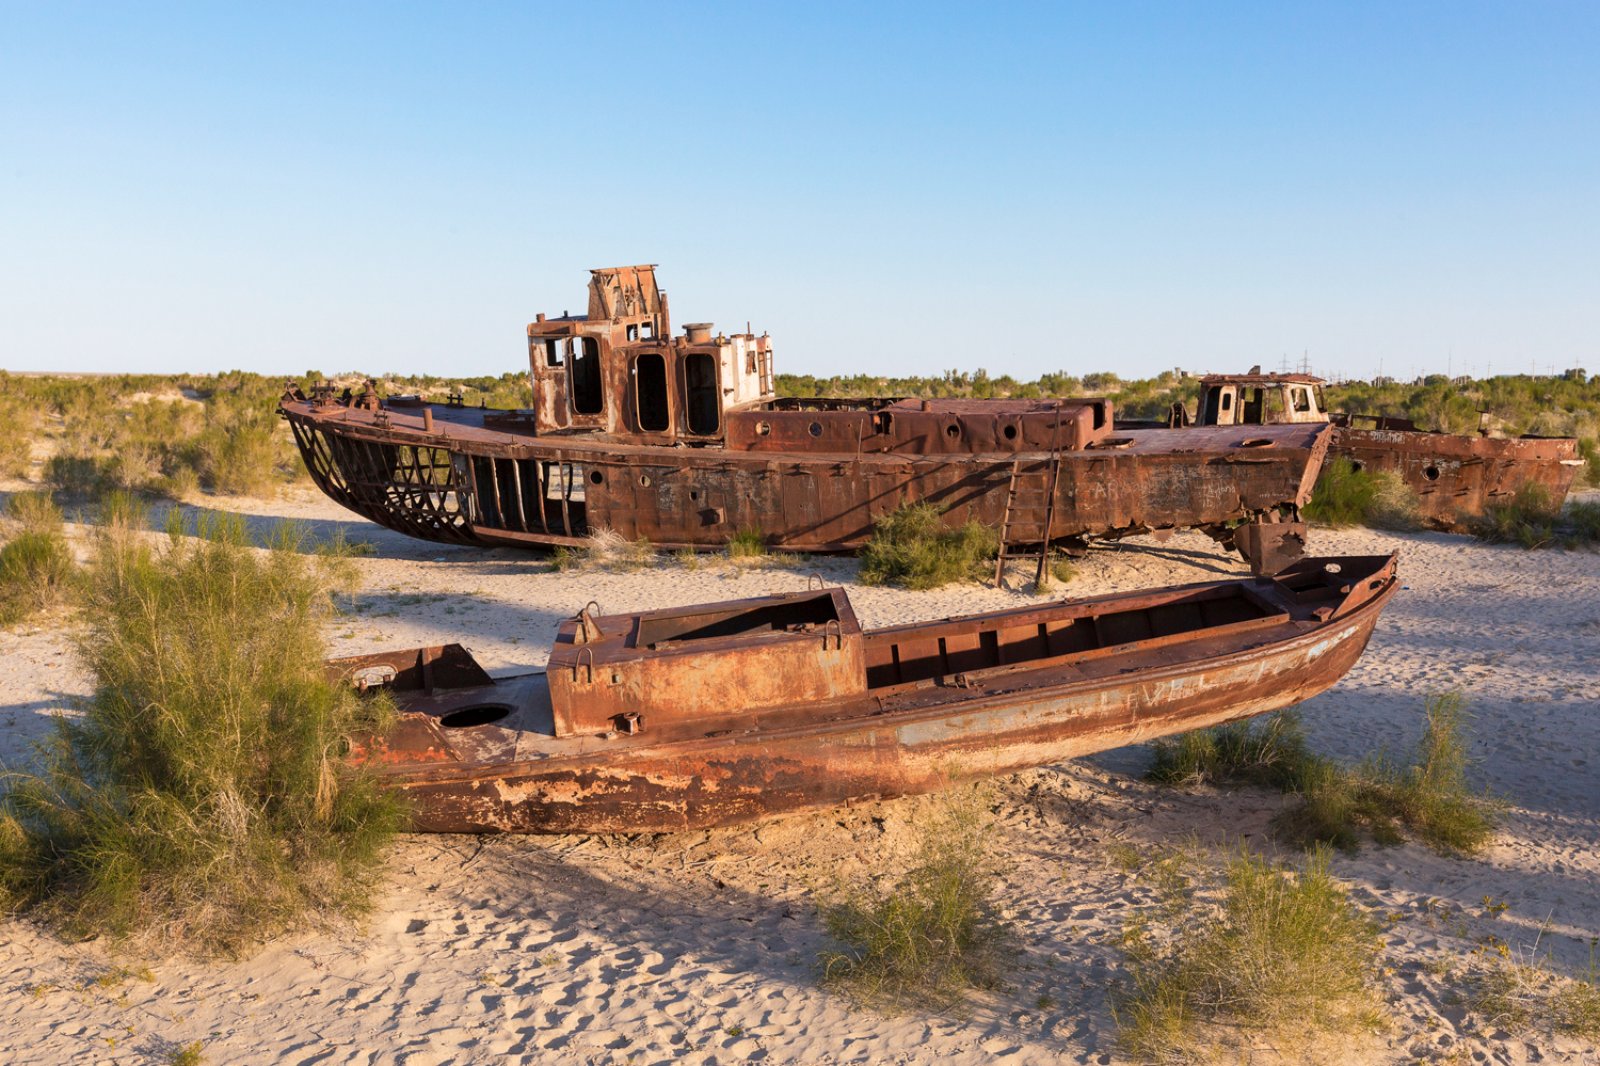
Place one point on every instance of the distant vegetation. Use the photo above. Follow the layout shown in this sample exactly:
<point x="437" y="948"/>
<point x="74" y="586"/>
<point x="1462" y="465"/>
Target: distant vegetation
<point x="177" y="435"/>
<point x="201" y="797"/>
<point x="1428" y="794"/>
<point x="1566" y="406"/>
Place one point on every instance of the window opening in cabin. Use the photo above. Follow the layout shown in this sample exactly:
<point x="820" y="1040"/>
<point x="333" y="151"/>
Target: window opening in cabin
<point x="700" y="388"/>
<point x="1252" y="407"/>
<point x="1300" y="399"/>
<point x="647" y="330"/>
<point x="552" y="353"/>
<point x="633" y="333"/>
<point x="1272" y="407"/>
<point x="583" y="367"/>
<point x="650" y="392"/>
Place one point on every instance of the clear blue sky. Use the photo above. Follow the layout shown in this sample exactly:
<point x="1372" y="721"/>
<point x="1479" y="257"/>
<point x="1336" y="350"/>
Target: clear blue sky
<point x="900" y="189"/>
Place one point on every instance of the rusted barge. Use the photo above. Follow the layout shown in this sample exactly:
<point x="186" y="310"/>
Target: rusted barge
<point x="1456" y="477"/>
<point x="730" y="712"/>
<point x="682" y="440"/>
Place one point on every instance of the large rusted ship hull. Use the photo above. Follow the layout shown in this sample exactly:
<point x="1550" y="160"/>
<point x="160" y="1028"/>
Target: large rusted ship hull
<point x="721" y="765"/>
<point x="1458" y="478"/>
<point x="467" y="476"/>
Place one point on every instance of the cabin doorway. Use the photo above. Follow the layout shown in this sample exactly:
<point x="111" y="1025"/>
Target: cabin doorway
<point x="583" y="369"/>
<point x="704" y="407"/>
<point x="650" y="392"/>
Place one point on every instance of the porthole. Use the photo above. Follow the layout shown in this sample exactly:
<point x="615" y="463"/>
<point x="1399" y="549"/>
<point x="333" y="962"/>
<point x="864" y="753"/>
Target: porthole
<point x="952" y="431"/>
<point x="1010" y="432"/>
<point x="1431" y="473"/>
<point x="1355" y="468"/>
<point x="596" y="477"/>
<point x="815" y="429"/>
<point x="644" y="479"/>
<point x="763" y="429"/>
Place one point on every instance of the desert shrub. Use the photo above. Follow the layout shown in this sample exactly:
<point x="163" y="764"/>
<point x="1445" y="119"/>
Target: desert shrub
<point x="1528" y="993"/>
<point x="37" y="569"/>
<point x="1582" y="521"/>
<point x="1270" y="751"/>
<point x="1345" y="496"/>
<point x="1528" y="518"/>
<point x="931" y="935"/>
<point x="1429" y="794"/>
<point x="1283" y="954"/>
<point x="21" y="424"/>
<point x="911" y="547"/>
<point x="747" y="544"/>
<point x="76" y="474"/>
<point x="202" y="796"/>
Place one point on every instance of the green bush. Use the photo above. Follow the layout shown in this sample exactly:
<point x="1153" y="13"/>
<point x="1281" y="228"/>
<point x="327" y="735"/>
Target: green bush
<point x="1284" y="955"/>
<point x="912" y="548"/>
<point x="1345" y="496"/>
<point x="1528" y="519"/>
<point x="203" y="794"/>
<point x="934" y="933"/>
<point x="37" y="568"/>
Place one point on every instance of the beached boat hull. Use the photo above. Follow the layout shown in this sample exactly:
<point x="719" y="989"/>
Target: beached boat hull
<point x="911" y="739"/>
<point x="469" y="478"/>
<point x="1457" y="478"/>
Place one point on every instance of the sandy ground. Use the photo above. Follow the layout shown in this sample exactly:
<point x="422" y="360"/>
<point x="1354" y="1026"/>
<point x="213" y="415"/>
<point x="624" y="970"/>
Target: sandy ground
<point x="702" y="947"/>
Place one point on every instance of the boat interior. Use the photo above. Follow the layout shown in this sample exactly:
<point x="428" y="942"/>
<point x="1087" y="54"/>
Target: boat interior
<point x="1059" y="640"/>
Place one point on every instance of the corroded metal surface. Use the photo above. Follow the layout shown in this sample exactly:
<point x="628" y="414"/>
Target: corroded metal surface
<point x="681" y="440"/>
<point x="1457" y="478"/>
<point x="932" y="703"/>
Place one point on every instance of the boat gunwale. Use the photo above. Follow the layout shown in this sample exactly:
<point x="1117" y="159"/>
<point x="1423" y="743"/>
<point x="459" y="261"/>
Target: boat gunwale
<point x="1363" y="616"/>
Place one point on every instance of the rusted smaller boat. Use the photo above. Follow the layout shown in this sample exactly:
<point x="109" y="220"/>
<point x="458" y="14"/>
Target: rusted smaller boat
<point x="1456" y="477"/>
<point x="730" y="712"/>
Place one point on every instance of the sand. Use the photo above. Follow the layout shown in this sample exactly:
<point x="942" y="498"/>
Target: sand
<point x="702" y="947"/>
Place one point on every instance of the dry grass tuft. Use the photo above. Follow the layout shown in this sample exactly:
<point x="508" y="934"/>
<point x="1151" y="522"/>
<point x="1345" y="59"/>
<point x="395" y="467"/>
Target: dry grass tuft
<point x="1280" y="955"/>
<point x="1429" y="795"/>
<point x="933" y="934"/>
<point x="1528" y="994"/>
<point x="605" y="549"/>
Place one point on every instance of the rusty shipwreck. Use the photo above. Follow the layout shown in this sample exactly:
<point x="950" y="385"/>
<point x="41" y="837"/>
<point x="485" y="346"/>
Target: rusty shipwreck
<point x="1456" y="477"/>
<point x="681" y="440"/>
<point x="724" y="713"/>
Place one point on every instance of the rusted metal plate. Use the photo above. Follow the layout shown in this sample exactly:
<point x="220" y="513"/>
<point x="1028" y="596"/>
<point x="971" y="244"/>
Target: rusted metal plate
<point x="939" y="702"/>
